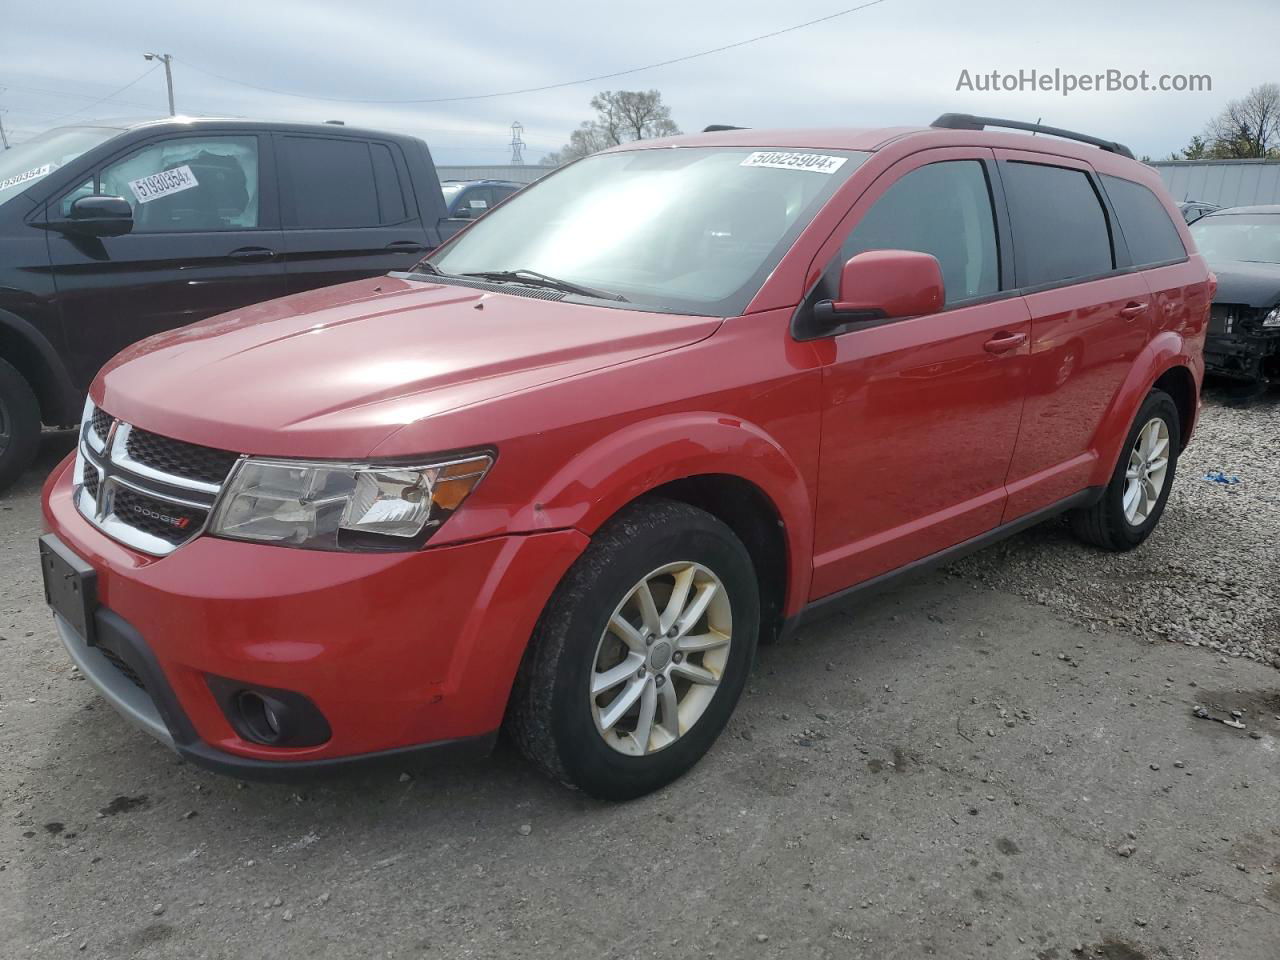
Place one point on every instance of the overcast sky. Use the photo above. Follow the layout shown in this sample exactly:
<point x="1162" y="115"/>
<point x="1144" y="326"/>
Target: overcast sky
<point x="894" y="63"/>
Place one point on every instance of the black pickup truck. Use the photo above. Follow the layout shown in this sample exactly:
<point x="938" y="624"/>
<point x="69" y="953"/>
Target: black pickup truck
<point x="112" y="232"/>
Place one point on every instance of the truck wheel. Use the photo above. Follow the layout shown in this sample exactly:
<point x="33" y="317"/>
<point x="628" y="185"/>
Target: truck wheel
<point x="19" y="424"/>
<point x="641" y="653"/>
<point x="1134" y="499"/>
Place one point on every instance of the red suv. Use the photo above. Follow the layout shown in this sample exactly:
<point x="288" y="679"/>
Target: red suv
<point x="662" y="404"/>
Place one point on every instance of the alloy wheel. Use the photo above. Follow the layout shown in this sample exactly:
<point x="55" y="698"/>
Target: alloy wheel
<point x="1147" y="470"/>
<point x="660" y="658"/>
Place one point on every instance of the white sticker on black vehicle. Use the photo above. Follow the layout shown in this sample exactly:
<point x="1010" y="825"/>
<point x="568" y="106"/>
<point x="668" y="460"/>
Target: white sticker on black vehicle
<point x="163" y="184"/>
<point x="34" y="173"/>
<point x="781" y="160"/>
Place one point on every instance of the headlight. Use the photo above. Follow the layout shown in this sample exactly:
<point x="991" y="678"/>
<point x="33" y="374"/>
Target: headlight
<point x="1272" y="319"/>
<point x="343" y="506"/>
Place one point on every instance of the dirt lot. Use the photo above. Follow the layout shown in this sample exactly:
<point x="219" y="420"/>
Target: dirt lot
<point x="999" y="760"/>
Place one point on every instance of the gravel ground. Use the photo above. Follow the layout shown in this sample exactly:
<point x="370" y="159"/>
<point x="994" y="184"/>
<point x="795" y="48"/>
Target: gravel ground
<point x="1209" y="575"/>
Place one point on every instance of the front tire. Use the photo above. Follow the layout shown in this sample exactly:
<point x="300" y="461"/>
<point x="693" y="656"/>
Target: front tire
<point x="1135" y="497"/>
<point x="19" y="424"/>
<point x="641" y="654"/>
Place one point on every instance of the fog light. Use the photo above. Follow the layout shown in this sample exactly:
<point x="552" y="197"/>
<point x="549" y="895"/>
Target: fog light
<point x="269" y="716"/>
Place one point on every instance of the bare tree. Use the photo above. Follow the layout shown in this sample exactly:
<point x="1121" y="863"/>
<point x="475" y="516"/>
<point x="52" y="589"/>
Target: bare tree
<point x="1247" y="128"/>
<point x="621" y="117"/>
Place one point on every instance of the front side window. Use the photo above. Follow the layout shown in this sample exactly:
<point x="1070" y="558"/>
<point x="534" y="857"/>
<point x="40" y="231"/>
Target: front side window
<point x="1148" y="231"/>
<point x="690" y="229"/>
<point x="1238" y="236"/>
<point x="943" y="209"/>
<point x="188" y="184"/>
<point x="1059" y="227"/>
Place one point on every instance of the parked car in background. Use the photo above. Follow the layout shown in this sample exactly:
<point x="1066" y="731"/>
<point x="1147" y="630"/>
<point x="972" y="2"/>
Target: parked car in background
<point x="112" y="232"/>
<point x="468" y="199"/>
<point x="1193" y="210"/>
<point x="568" y="482"/>
<point x="1242" y="245"/>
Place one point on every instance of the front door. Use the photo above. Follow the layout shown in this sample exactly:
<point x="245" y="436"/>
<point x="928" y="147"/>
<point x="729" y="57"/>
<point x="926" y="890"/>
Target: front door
<point x="920" y="415"/>
<point x="204" y="241"/>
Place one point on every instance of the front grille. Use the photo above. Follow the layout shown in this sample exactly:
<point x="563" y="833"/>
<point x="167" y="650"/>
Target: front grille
<point x="129" y="673"/>
<point x="179" y="457"/>
<point x="160" y="518"/>
<point x="101" y="422"/>
<point x="150" y="492"/>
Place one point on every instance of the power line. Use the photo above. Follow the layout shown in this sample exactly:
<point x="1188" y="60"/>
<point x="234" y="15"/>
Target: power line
<point x="549" y="86"/>
<point x="77" y="96"/>
<point x="90" y="106"/>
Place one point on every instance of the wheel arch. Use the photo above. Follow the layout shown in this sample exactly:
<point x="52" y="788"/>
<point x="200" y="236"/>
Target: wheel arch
<point x="33" y="356"/>
<point x="1164" y="362"/>
<point x="729" y="467"/>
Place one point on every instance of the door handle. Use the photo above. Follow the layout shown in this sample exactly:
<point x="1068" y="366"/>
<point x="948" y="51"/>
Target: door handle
<point x="1004" y="342"/>
<point x="406" y="246"/>
<point x="252" y="254"/>
<point x="1132" y="310"/>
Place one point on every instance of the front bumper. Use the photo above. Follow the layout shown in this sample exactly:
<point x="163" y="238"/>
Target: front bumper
<point x="399" y="651"/>
<point x="1242" y="356"/>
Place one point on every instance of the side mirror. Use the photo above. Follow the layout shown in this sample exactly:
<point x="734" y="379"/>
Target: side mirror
<point x="98" y="217"/>
<point x="462" y="213"/>
<point x="883" y="285"/>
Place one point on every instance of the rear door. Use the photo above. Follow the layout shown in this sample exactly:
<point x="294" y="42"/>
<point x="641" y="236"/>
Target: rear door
<point x="206" y="239"/>
<point x="1090" y="317"/>
<point x="347" y="209"/>
<point x="920" y="415"/>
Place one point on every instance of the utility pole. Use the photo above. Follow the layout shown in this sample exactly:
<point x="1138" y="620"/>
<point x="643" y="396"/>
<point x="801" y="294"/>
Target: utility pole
<point x="4" y="139"/>
<point x="167" y="60"/>
<point x="517" y="143"/>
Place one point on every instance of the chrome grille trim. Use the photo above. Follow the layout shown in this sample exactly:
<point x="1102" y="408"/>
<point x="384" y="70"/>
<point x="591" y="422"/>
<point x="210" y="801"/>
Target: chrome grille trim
<point x="116" y="470"/>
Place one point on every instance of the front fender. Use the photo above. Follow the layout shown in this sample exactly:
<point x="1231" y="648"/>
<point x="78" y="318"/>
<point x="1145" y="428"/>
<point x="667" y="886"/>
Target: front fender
<point x="592" y="486"/>
<point x="1166" y="350"/>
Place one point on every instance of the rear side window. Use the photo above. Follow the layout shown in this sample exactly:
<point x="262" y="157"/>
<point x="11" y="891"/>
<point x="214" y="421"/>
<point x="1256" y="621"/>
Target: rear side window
<point x="943" y="209"/>
<point x="332" y="182"/>
<point x="1059" y="227"/>
<point x="1148" y="231"/>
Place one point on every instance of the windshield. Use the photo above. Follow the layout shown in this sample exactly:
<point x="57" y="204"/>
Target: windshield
<point x="1236" y="236"/>
<point x="450" y="189"/>
<point x="40" y="156"/>
<point x="691" y="229"/>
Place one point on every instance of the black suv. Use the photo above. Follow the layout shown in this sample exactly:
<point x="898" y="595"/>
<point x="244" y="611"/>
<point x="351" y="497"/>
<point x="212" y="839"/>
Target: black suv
<point x="112" y="232"/>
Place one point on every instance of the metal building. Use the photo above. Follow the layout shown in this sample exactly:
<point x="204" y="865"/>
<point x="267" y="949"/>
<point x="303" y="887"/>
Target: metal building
<point x="1228" y="183"/>
<point x="515" y="172"/>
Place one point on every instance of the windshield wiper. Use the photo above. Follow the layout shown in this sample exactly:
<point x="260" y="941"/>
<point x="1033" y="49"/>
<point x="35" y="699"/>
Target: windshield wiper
<point x="535" y="279"/>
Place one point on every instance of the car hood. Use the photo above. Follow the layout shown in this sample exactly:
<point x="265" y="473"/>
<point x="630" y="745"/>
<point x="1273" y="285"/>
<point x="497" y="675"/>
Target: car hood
<point x="1253" y="284"/>
<point x="334" y="372"/>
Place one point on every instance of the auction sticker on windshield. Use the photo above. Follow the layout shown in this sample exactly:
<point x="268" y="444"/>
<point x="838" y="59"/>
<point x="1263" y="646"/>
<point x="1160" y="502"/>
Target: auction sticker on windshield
<point x="33" y="174"/>
<point x="163" y="184"/>
<point x="813" y="162"/>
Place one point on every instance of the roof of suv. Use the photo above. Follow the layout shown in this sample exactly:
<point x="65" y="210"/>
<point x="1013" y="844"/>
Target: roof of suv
<point x="186" y="123"/>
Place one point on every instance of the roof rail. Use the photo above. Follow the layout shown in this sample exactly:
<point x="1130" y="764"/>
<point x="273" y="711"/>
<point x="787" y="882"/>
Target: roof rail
<point x="966" y="121"/>
<point x="721" y="127"/>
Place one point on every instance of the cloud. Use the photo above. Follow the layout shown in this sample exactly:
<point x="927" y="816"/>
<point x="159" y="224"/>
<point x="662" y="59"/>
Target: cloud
<point x="891" y="64"/>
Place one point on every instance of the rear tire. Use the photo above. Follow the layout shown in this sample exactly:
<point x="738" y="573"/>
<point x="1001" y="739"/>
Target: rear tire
<point x="595" y="645"/>
<point x="1127" y="512"/>
<point x="19" y="424"/>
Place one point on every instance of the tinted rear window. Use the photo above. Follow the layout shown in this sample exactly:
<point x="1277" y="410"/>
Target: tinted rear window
<point x="1059" y="227"/>
<point x="1150" y="234"/>
<point x="333" y="183"/>
<point x="391" y="204"/>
